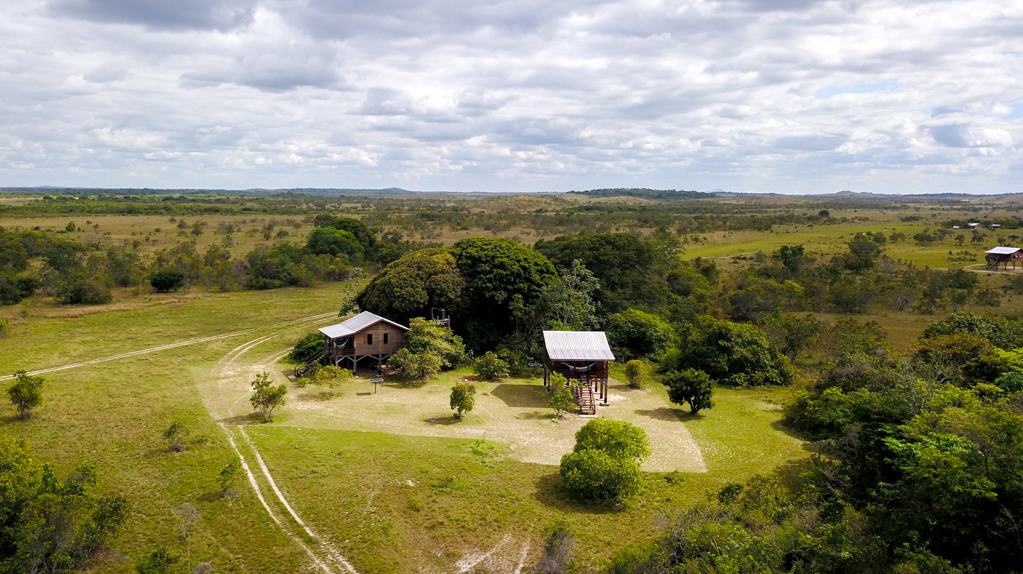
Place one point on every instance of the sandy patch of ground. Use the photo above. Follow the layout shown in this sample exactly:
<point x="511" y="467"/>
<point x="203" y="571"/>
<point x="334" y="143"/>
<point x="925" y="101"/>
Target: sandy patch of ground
<point x="513" y="412"/>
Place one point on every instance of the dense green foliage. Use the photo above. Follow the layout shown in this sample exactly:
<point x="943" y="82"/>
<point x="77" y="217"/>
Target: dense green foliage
<point x="604" y="465"/>
<point x="690" y="386"/>
<point x="308" y="348"/>
<point x="413" y="285"/>
<point x="637" y="334"/>
<point x="48" y="524"/>
<point x="733" y="354"/>
<point x="503" y="280"/>
<point x="628" y="267"/>
<point x="490" y="366"/>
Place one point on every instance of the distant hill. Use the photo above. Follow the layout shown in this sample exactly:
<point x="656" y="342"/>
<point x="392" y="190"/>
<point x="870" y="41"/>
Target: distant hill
<point x="644" y="193"/>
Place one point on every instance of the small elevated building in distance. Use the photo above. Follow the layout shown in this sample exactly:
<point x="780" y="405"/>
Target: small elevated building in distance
<point x="1003" y="256"/>
<point x="364" y="336"/>
<point x="582" y="357"/>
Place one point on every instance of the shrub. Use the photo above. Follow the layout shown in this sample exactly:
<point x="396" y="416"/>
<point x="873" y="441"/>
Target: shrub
<point x="158" y="561"/>
<point x="490" y="366"/>
<point x="267" y="397"/>
<point x="83" y="291"/>
<point x="559" y="396"/>
<point x="595" y="475"/>
<point x="26" y="393"/>
<point x="616" y="438"/>
<point x="331" y="377"/>
<point x="5" y="327"/>
<point x="416" y="367"/>
<point x="690" y="386"/>
<point x="557" y="551"/>
<point x="463" y="399"/>
<point x="308" y="348"/>
<point x="637" y="371"/>
<point x="167" y="280"/>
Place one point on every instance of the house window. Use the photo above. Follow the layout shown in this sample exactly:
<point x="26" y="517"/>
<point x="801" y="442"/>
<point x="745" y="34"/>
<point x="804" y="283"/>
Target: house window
<point x="385" y="338"/>
<point x="369" y="339"/>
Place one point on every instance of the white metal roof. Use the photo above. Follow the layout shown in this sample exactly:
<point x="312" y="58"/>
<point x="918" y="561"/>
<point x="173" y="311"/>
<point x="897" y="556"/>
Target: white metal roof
<point x="577" y="346"/>
<point x="355" y="324"/>
<point x="1002" y="250"/>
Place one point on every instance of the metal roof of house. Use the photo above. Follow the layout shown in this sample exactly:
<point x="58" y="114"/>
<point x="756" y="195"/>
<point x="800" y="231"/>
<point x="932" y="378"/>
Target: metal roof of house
<point x="355" y="324"/>
<point x="1002" y="250"/>
<point x="577" y="346"/>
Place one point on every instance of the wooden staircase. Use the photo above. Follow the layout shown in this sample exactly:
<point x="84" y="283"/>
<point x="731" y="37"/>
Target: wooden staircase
<point x="584" y="396"/>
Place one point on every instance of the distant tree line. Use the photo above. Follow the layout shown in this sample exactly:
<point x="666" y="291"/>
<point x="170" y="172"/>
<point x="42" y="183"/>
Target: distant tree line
<point x="75" y="273"/>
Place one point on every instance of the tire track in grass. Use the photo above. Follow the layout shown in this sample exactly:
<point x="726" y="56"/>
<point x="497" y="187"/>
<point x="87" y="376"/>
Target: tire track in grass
<point x="332" y="552"/>
<point x="266" y="506"/>
<point x="169" y="346"/>
<point x="334" y="561"/>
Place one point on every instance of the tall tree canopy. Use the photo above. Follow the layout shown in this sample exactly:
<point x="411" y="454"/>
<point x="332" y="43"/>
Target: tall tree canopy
<point x="503" y="280"/>
<point x="733" y="354"/>
<point x="627" y="266"/>
<point x="413" y="284"/>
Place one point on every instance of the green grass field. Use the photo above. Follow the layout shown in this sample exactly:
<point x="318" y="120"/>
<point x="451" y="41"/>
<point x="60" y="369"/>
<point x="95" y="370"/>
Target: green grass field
<point x="388" y="502"/>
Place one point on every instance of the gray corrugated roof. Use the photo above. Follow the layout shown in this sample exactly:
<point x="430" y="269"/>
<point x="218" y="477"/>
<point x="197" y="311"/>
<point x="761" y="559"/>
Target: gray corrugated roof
<point x="355" y="324"/>
<point x="577" y="346"/>
<point x="1002" y="250"/>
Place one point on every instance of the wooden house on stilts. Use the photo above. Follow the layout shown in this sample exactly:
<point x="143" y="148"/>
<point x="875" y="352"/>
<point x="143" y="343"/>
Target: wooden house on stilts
<point x="1002" y="256"/>
<point x="582" y="357"/>
<point x="364" y="336"/>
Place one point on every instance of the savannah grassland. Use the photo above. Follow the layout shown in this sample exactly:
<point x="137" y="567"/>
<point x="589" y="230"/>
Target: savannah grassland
<point x="409" y="500"/>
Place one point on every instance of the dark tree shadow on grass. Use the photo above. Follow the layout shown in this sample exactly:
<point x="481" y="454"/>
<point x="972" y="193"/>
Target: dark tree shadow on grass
<point x="549" y="493"/>
<point x="537" y="416"/>
<point x="668" y="414"/>
<point x="249" y="419"/>
<point x="520" y="395"/>
<point x="444" y="421"/>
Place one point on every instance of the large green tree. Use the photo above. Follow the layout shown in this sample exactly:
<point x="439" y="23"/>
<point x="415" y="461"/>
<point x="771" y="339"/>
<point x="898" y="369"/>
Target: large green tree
<point x="503" y="281"/>
<point x="410" y="286"/>
<point x="733" y="354"/>
<point x="629" y="268"/>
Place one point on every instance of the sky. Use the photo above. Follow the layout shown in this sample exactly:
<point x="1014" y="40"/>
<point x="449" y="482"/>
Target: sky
<point x="782" y="96"/>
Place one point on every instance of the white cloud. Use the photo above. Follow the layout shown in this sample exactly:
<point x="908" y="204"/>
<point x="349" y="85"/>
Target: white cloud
<point x="758" y="95"/>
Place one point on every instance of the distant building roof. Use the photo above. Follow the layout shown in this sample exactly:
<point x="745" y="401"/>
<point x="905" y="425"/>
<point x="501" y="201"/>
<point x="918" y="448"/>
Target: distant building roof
<point x="355" y="324"/>
<point x="1002" y="250"/>
<point x="577" y="346"/>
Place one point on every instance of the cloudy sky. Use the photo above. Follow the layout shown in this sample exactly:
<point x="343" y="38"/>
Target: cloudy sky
<point x="524" y="95"/>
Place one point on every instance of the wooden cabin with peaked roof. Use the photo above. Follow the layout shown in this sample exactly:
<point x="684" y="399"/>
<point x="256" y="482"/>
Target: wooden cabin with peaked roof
<point x="364" y="336"/>
<point x="581" y="357"/>
<point x="1003" y="256"/>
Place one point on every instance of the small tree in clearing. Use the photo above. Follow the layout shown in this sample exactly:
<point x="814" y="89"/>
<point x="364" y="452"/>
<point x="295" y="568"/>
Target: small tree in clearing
<point x="559" y="396"/>
<point x="331" y="377"/>
<point x="690" y="386"/>
<point x="490" y="366"/>
<point x="617" y="438"/>
<point x="463" y="398"/>
<point x="267" y="397"/>
<point x="637" y="371"/>
<point x="416" y="367"/>
<point x="26" y="393"/>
